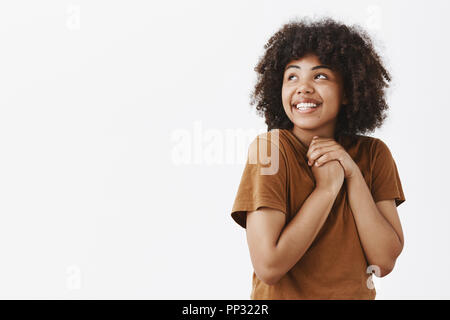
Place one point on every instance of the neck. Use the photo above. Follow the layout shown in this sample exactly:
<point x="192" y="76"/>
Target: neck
<point x="306" y="136"/>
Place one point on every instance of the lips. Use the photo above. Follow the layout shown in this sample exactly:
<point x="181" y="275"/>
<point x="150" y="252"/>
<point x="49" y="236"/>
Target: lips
<point x="296" y="110"/>
<point x="296" y="102"/>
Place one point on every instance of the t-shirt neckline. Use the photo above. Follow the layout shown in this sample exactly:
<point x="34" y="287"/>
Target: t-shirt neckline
<point x="297" y="140"/>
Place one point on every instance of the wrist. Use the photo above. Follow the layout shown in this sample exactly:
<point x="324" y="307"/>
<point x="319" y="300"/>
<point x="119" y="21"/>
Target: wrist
<point x="327" y="191"/>
<point x="356" y="174"/>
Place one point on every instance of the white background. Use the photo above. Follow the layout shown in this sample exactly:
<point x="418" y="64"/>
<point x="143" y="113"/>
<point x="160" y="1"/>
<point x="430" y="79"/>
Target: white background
<point x="94" y="201"/>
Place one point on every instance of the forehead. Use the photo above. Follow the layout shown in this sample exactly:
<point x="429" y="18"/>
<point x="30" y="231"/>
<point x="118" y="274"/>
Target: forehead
<point x="307" y="62"/>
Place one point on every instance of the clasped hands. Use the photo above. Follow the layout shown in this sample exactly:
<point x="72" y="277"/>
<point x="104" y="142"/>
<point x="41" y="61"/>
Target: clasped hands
<point x="322" y="150"/>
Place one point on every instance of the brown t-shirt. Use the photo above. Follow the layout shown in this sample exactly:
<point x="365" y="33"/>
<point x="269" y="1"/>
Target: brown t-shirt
<point x="335" y="265"/>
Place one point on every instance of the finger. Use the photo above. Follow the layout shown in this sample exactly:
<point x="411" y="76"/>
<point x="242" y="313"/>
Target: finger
<point x="325" y="158"/>
<point x="320" y="144"/>
<point x="315" y="144"/>
<point x="321" y="139"/>
<point x="319" y="151"/>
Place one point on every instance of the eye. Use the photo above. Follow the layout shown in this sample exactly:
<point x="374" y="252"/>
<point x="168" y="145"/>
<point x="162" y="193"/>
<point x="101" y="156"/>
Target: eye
<point x="321" y="74"/>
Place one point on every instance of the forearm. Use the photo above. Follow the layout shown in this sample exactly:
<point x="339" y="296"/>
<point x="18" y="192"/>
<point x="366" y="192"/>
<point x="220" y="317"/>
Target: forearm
<point x="300" y="232"/>
<point x="380" y="242"/>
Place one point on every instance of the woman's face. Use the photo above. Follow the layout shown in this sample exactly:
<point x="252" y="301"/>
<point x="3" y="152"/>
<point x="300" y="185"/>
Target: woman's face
<point x="307" y="79"/>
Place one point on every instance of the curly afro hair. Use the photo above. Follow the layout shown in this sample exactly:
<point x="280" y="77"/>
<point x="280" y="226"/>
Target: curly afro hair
<point x="348" y="50"/>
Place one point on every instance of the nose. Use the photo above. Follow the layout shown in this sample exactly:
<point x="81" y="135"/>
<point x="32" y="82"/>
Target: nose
<point x="304" y="88"/>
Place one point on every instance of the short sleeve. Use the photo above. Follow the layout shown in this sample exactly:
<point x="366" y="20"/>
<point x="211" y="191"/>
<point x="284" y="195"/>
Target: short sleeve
<point x="264" y="180"/>
<point x="386" y="182"/>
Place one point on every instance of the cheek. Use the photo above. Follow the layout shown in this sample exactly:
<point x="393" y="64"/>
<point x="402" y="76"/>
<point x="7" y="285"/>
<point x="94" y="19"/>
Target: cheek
<point x="285" y="94"/>
<point x="288" y="88"/>
<point x="330" y="93"/>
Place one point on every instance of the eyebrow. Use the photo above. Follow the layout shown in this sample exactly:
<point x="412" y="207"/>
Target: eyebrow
<point x="313" y="68"/>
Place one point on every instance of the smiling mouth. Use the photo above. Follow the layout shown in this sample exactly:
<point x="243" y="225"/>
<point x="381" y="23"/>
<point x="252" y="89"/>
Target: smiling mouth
<point x="306" y="107"/>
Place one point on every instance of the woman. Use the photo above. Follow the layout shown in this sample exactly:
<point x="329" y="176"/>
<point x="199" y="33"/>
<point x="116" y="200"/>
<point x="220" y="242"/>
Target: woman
<point x="324" y="217"/>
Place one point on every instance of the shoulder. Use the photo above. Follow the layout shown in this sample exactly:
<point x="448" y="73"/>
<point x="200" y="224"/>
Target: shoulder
<point x="375" y="148"/>
<point x="366" y="143"/>
<point x="377" y="145"/>
<point x="260" y="144"/>
<point x="275" y="137"/>
<point x="364" y="148"/>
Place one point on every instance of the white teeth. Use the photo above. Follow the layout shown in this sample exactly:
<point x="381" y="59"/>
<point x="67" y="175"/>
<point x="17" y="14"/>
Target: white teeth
<point x="306" y="105"/>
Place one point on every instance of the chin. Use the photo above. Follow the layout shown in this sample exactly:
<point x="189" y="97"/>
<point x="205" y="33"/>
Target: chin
<point x="306" y="125"/>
